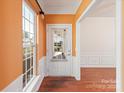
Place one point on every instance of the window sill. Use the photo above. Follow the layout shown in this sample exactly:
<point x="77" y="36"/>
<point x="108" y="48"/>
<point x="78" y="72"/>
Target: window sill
<point x="26" y="88"/>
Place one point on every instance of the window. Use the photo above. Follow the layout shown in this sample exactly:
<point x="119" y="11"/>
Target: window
<point x="29" y="44"/>
<point x="59" y="43"/>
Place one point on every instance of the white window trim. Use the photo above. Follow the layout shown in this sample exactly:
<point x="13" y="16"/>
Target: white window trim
<point x="34" y="46"/>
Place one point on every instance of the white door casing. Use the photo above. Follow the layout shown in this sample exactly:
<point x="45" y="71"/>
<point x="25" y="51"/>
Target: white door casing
<point x="77" y="72"/>
<point x="62" y="67"/>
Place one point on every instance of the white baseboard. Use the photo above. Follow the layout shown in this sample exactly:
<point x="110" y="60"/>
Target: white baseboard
<point x="14" y="86"/>
<point x="97" y="61"/>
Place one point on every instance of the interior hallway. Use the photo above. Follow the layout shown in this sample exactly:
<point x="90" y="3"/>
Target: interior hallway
<point x="92" y="80"/>
<point x="24" y="46"/>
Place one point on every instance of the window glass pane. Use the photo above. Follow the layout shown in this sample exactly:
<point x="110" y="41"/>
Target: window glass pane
<point x="32" y="51"/>
<point x="24" y="56"/>
<point x="58" y="42"/>
<point x="28" y="51"/>
<point x="25" y="44"/>
<point x="32" y="39"/>
<point x="27" y="35"/>
<point x="32" y="61"/>
<point x="28" y="76"/>
<point x="27" y="15"/>
<point x="26" y="41"/>
<point x="31" y="17"/>
<point x="26" y="38"/>
<point x="28" y="63"/>
<point x="31" y="28"/>
<point x="31" y="72"/>
<point x="24" y="51"/>
<point x="32" y="36"/>
<point x="24" y="80"/>
<point x="27" y="25"/>
<point x="24" y="66"/>
<point x="28" y="55"/>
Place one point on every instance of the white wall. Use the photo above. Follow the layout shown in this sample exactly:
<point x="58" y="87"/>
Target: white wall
<point x="97" y="42"/>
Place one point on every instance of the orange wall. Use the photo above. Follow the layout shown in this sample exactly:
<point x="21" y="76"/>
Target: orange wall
<point x="62" y="19"/>
<point x="59" y="19"/>
<point x="10" y="41"/>
<point x="41" y="37"/>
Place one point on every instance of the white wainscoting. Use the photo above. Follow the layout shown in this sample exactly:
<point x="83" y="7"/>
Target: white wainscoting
<point x="76" y="68"/>
<point x="41" y="72"/>
<point x="97" y="42"/>
<point x="97" y="61"/>
<point x="14" y="86"/>
<point x="42" y="66"/>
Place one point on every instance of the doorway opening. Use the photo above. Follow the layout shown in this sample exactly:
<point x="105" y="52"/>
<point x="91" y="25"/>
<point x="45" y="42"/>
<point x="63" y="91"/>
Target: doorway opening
<point x="107" y="41"/>
<point x="59" y="50"/>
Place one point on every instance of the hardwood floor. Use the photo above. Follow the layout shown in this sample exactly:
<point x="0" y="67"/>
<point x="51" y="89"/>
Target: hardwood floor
<point x="92" y="80"/>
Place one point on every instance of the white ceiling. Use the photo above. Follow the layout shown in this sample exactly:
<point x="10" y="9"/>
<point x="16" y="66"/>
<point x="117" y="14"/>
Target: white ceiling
<point x="102" y="8"/>
<point x="59" y="6"/>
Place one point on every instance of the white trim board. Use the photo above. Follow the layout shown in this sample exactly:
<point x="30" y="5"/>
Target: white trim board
<point x="76" y="68"/>
<point x="86" y="10"/>
<point x="118" y="45"/>
<point x="77" y="58"/>
<point x="42" y="66"/>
